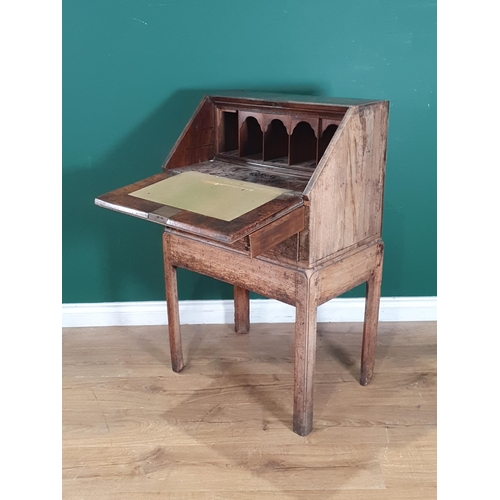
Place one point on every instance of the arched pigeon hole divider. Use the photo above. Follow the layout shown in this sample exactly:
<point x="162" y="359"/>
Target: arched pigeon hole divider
<point x="251" y="139"/>
<point x="276" y="142"/>
<point x="303" y="144"/>
<point x="325" y="139"/>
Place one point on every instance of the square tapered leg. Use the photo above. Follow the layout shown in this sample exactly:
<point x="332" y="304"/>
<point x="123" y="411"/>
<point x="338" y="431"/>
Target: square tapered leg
<point x="174" y="324"/>
<point x="370" y="327"/>
<point x="241" y="310"/>
<point x="305" y="355"/>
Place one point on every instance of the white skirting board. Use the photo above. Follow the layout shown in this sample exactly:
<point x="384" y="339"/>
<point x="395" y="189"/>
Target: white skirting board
<point x="196" y="312"/>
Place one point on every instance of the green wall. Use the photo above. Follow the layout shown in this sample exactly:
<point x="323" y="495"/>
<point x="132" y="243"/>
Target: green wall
<point x="134" y="71"/>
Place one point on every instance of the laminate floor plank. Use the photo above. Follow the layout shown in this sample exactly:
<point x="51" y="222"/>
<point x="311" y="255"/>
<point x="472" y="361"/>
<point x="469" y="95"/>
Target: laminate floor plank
<point x="221" y="429"/>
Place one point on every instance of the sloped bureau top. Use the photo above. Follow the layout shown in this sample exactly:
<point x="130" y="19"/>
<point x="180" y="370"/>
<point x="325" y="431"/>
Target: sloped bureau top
<point x="319" y="162"/>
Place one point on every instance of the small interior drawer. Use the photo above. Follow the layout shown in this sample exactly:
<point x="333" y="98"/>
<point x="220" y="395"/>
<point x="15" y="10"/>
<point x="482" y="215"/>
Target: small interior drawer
<point x="274" y="233"/>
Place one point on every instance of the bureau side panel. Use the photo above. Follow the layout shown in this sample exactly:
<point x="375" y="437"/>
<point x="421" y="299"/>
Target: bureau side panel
<point x="346" y="196"/>
<point x="197" y="141"/>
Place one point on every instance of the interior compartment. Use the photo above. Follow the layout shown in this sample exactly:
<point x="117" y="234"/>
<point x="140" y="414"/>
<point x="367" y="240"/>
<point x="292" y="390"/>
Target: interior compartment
<point x="228" y="141"/>
<point x="251" y="139"/>
<point x="264" y="137"/>
<point x="276" y="142"/>
<point x="303" y="144"/>
<point x="325" y="139"/>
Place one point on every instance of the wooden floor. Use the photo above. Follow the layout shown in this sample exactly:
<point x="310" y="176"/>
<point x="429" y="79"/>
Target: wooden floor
<point x="221" y="429"/>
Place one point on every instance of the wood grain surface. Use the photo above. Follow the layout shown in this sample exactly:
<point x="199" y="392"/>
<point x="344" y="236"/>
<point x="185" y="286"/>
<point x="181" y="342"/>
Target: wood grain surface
<point x="346" y="190"/>
<point x="221" y="429"/>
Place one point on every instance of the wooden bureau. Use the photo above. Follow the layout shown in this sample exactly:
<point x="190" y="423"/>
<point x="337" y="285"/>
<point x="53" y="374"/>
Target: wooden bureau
<point x="276" y="194"/>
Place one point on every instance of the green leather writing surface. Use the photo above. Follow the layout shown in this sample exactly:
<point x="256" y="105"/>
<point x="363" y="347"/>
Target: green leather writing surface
<point x="210" y="195"/>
